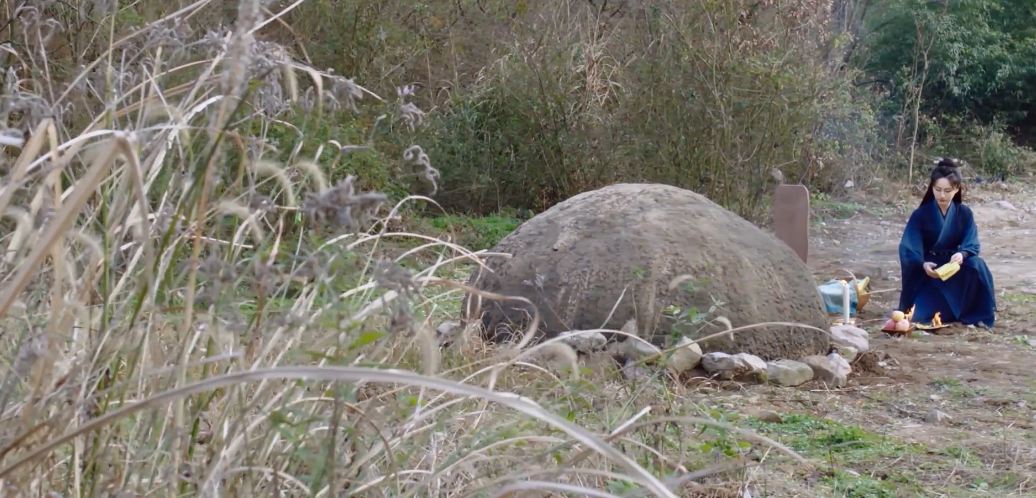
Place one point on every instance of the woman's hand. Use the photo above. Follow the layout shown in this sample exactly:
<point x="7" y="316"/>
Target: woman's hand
<point x="958" y="257"/>
<point x="929" y="268"/>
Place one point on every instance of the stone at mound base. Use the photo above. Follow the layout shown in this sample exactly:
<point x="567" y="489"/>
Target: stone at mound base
<point x="658" y="254"/>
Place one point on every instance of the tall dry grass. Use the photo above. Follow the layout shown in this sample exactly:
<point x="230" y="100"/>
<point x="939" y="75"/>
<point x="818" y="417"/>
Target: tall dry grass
<point x="190" y="308"/>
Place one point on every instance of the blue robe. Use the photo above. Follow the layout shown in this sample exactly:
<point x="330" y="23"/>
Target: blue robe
<point x="966" y="297"/>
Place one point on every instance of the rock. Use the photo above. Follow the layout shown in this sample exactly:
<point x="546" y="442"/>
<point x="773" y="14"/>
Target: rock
<point x="936" y="416"/>
<point x="848" y="335"/>
<point x="686" y="357"/>
<point x="788" y="372"/>
<point x="629" y="346"/>
<point x="617" y="350"/>
<point x="757" y="363"/>
<point x="848" y="352"/>
<point x="716" y="361"/>
<point x="727" y="366"/>
<point x="635" y="371"/>
<point x="827" y="370"/>
<point x="632" y="349"/>
<point x="447" y="331"/>
<point x="842" y="367"/>
<point x="765" y="415"/>
<point x="639" y="349"/>
<point x="640" y="251"/>
<point x="584" y="341"/>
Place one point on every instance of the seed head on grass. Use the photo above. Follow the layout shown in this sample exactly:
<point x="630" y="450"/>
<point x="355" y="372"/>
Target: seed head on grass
<point x="344" y="91"/>
<point x="280" y="175"/>
<point x="343" y="207"/>
<point x="421" y="167"/>
<point x="26" y="106"/>
<point x="392" y="276"/>
<point x="316" y="175"/>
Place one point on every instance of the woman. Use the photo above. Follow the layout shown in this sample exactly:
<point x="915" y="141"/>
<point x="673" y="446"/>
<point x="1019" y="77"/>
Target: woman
<point x="941" y="230"/>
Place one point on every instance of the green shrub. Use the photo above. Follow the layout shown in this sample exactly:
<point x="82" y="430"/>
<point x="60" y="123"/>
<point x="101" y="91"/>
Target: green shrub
<point x="995" y="153"/>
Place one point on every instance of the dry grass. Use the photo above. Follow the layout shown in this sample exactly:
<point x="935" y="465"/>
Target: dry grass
<point x="186" y="311"/>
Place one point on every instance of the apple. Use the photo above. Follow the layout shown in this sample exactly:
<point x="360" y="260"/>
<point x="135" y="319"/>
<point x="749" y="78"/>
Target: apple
<point x="898" y="315"/>
<point x="889" y="325"/>
<point x="903" y="325"/>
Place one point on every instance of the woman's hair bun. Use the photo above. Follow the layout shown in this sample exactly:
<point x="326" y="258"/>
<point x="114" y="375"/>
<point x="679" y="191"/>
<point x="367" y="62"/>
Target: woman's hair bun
<point x="947" y="162"/>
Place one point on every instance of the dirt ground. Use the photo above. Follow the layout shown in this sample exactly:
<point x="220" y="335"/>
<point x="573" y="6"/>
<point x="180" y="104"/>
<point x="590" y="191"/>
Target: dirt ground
<point x="984" y="382"/>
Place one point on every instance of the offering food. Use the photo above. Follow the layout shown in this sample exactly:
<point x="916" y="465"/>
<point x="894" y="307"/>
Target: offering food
<point x="898" y="323"/>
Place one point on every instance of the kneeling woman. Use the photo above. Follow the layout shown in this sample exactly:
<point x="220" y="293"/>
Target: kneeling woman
<point x="941" y="230"/>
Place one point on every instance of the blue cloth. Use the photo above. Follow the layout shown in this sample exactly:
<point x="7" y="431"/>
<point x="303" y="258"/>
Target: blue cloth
<point x="966" y="297"/>
<point x="831" y="295"/>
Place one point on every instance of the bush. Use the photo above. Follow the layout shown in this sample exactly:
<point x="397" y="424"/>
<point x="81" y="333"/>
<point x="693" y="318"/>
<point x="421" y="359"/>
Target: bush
<point x="987" y="149"/>
<point x="512" y="140"/>
<point x="995" y="153"/>
<point x="699" y="96"/>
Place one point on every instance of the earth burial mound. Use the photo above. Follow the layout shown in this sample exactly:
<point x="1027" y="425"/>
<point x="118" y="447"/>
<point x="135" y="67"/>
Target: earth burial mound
<point x="660" y="255"/>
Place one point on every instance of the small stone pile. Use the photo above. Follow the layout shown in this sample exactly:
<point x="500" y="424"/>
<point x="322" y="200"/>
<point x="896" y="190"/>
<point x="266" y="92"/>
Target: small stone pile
<point x="832" y="369"/>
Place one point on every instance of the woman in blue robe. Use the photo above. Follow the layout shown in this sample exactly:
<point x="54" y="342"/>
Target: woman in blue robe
<point x="940" y="230"/>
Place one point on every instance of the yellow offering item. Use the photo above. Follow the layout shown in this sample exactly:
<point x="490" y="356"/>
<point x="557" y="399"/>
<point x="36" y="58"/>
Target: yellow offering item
<point x="862" y="293"/>
<point x="948" y="270"/>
